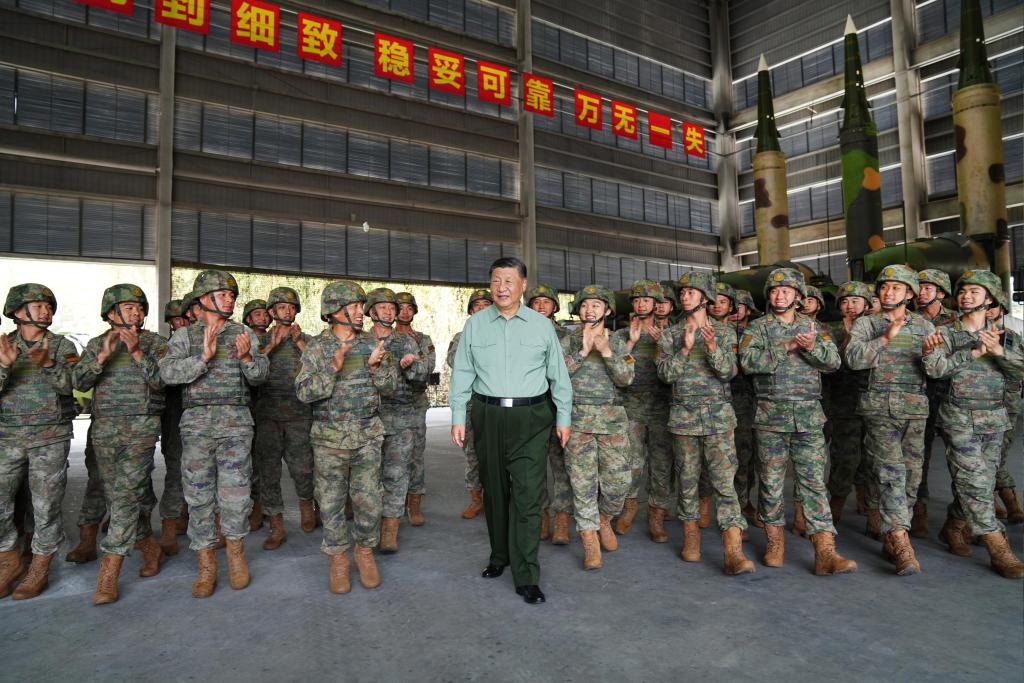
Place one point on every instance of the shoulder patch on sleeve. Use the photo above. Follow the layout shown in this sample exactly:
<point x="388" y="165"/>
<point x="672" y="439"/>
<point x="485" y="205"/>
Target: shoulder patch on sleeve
<point x="71" y="358"/>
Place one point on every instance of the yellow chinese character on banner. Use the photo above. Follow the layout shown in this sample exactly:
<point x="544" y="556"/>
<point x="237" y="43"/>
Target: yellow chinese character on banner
<point x="588" y="109"/>
<point x="624" y="119"/>
<point x="493" y="83"/>
<point x="319" y="39"/>
<point x="256" y="24"/>
<point x="538" y="95"/>
<point x="191" y="12"/>
<point x="446" y="70"/>
<point x="693" y="139"/>
<point x="394" y="58"/>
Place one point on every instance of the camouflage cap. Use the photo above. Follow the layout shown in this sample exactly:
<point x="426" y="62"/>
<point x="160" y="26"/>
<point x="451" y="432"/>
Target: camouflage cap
<point x="175" y="308"/>
<point x="121" y="294"/>
<point x="479" y="295"/>
<point x="593" y="292"/>
<point x="648" y="288"/>
<point x="936" y="277"/>
<point x="19" y="295"/>
<point x="747" y="299"/>
<point x="987" y="279"/>
<point x="785" y="277"/>
<point x="543" y="291"/>
<point x="813" y="292"/>
<point x="284" y="295"/>
<point x="254" y="305"/>
<point x="407" y="298"/>
<point x="380" y="295"/>
<point x="214" y="281"/>
<point x="701" y="281"/>
<point x="899" y="273"/>
<point x="337" y="295"/>
<point x="854" y="288"/>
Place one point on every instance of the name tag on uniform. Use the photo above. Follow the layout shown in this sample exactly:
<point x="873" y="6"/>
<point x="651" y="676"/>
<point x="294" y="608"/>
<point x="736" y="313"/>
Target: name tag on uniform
<point x="902" y="341"/>
<point x="354" y="362"/>
<point x="119" y="360"/>
<point x="645" y="348"/>
<point x="285" y="352"/>
<point x="222" y="353"/>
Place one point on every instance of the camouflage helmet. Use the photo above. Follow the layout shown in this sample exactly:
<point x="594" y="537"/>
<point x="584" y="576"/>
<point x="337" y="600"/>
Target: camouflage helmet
<point x="284" y="295"/>
<point x="337" y="295"/>
<point x="122" y="294"/>
<point x="648" y="288"/>
<point x="407" y="298"/>
<point x="380" y="295"/>
<point x="213" y="281"/>
<point x="725" y="289"/>
<point x="935" y="277"/>
<point x="701" y="281"/>
<point x="899" y="273"/>
<point x="543" y="291"/>
<point x="593" y="292"/>
<point x="175" y="308"/>
<point x="815" y="293"/>
<point x="188" y="301"/>
<point x="854" y="288"/>
<point x="254" y="305"/>
<point x="987" y="279"/>
<point x="479" y="295"/>
<point x="19" y="295"/>
<point x="747" y="299"/>
<point x="670" y="296"/>
<point x="785" y="277"/>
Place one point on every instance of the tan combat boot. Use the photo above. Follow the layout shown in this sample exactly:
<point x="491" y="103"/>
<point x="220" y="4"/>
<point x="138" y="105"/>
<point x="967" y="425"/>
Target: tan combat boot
<point x="414" y="508"/>
<point x="919" y="521"/>
<point x="256" y="517"/>
<point x="86" y="549"/>
<point x="560" y="536"/>
<point x="11" y="566"/>
<point x="181" y="524"/>
<point x="545" y="528"/>
<point x="238" y="568"/>
<point x="340" y="582"/>
<point x="206" y="574"/>
<point x="591" y="550"/>
<point x="862" y="497"/>
<point x="691" y="541"/>
<point x="873" y="529"/>
<point x="608" y="540"/>
<point x="1006" y="564"/>
<point x="369" y="577"/>
<point x="152" y="557"/>
<point x="826" y="560"/>
<point x="389" y="535"/>
<point x="735" y="561"/>
<point x="656" y="524"/>
<point x="36" y="580"/>
<point x="625" y="521"/>
<point x="775" y="552"/>
<point x="106" y="582"/>
<point x="276" y="536"/>
<point x="954" y="534"/>
<point x="307" y="515"/>
<point x="902" y="553"/>
<point x="705" y="512"/>
<point x="169" y="537"/>
<point x="475" y="506"/>
<point x="222" y="542"/>
<point x="799" y="523"/>
<point x="1014" y="511"/>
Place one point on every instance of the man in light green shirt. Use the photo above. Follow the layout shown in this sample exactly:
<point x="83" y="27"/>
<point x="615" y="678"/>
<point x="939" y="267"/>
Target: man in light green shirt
<point x="508" y="360"/>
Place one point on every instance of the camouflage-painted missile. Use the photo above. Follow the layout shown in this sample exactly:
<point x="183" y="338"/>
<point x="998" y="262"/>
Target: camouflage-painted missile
<point x="858" y="146"/>
<point x="977" y="121"/>
<point x="771" y="208"/>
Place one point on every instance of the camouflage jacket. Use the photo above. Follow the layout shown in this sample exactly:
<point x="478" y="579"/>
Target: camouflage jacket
<point x="742" y="386"/>
<point x="36" y="404"/>
<point x="701" y="396"/>
<point x="895" y="385"/>
<point x="1014" y="399"/>
<point x="346" y="403"/>
<point x="647" y="393"/>
<point x="427" y="354"/>
<point x="275" y="399"/>
<point x="123" y="386"/>
<point x="842" y="388"/>
<point x="976" y="399"/>
<point x="787" y="384"/>
<point x="453" y="346"/>
<point x="399" y="409"/>
<point x="596" y="381"/>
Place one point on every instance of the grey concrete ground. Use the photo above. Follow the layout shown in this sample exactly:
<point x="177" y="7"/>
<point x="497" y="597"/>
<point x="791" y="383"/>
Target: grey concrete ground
<point x="646" y="616"/>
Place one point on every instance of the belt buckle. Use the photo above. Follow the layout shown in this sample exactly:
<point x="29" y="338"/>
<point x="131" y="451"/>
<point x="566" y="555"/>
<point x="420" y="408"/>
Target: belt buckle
<point x="506" y="402"/>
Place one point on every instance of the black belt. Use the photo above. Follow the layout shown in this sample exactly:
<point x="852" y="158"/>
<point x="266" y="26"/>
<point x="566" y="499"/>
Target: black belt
<point x="511" y="402"/>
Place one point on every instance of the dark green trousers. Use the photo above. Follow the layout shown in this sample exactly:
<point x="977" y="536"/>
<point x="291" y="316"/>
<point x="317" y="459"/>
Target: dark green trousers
<point x="511" y="444"/>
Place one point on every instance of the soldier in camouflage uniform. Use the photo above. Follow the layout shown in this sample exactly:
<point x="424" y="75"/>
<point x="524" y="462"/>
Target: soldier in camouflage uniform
<point x="256" y="316"/>
<point x="785" y="355"/>
<point x="1006" y="487"/>
<point x="92" y="510"/>
<point x="120" y="366"/>
<point x="544" y="299"/>
<point x="698" y="358"/>
<point x="216" y="360"/>
<point x="647" y="406"/>
<point x="398" y="412"/>
<point x="597" y="455"/>
<point x="344" y="373"/>
<point x="842" y="389"/>
<point x="257" y="319"/>
<point x="36" y="410"/>
<point x="980" y="361"/>
<point x="479" y="299"/>
<point x="664" y="311"/>
<point x="173" y="513"/>
<point x="935" y="287"/>
<point x="814" y="302"/>
<point x="407" y="311"/>
<point x="282" y="420"/>
<point x="742" y="389"/>
<point x="894" y="406"/>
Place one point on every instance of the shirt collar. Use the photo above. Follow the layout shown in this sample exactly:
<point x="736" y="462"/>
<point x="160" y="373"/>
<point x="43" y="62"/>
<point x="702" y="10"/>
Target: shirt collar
<point x="494" y="313"/>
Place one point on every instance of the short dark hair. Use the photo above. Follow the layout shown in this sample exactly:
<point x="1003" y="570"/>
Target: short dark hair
<point x="508" y="262"/>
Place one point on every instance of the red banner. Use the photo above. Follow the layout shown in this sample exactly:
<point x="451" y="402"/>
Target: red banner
<point x="119" y="6"/>
<point x="538" y="95"/>
<point x="256" y="24"/>
<point x="319" y="39"/>
<point x="588" y="109"/>
<point x="659" y="128"/>
<point x="447" y="71"/>
<point x="493" y="83"/>
<point x="190" y="15"/>
<point x="693" y="139"/>
<point x="624" y="119"/>
<point x="393" y="57"/>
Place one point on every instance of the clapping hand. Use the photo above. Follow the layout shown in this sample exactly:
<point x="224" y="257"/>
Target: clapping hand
<point x="40" y="354"/>
<point x="209" y="343"/>
<point x="990" y="342"/>
<point x="377" y="355"/>
<point x="931" y="342"/>
<point x="407" y="360"/>
<point x="8" y="351"/>
<point x="707" y="333"/>
<point x="243" y="347"/>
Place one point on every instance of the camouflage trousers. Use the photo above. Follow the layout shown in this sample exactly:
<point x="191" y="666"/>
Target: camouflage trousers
<point x="717" y="454"/>
<point x="1004" y="480"/>
<point x="560" y="498"/>
<point x="472" y="463"/>
<point x="94" y="500"/>
<point x="895" y="449"/>
<point x="845" y="455"/>
<point x="650" y="444"/>
<point x="931" y="430"/>
<point x="216" y="472"/>
<point x="807" y="452"/>
<point x="599" y="472"/>
<point x="395" y="468"/>
<point x="172" y="502"/>
<point x="417" y="468"/>
<point x="287" y="439"/>
<point x="124" y="448"/>
<point x="47" y="470"/>
<point x="746" y="469"/>
<point x="345" y="473"/>
<point x="973" y="459"/>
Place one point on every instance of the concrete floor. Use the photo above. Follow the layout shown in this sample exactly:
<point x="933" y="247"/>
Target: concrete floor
<point x="646" y="616"/>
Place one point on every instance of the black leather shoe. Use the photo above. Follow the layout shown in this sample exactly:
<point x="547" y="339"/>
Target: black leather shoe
<point x="531" y="594"/>
<point x="493" y="571"/>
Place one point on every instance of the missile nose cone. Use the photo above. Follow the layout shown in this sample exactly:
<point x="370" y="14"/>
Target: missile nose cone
<point x="762" y="64"/>
<point x="850" y="26"/>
